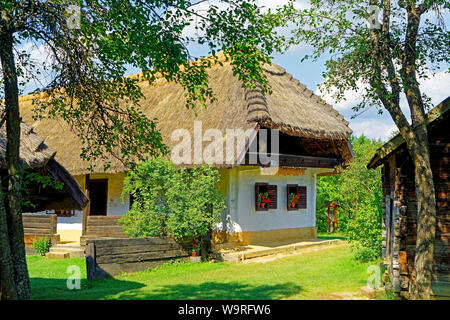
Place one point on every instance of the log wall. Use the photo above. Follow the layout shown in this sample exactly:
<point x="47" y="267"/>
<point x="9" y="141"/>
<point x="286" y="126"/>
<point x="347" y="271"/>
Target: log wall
<point x="110" y="257"/>
<point x="399" y="186"/>
<point x="37" y="226"/>
<point x="102" y="227"/>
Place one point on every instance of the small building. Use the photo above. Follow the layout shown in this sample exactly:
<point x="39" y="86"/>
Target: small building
<point x="312" y="140"/>
<point x="39" y="158"/>
<point x="400" y="204"/>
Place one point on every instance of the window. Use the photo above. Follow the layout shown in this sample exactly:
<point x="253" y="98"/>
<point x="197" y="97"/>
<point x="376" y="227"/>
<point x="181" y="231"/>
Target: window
<point x="265" y="196"/>
<point x="296" y="197"/>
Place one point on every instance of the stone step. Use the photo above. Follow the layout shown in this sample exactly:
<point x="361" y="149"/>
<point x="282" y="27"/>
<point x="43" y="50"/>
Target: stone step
<point x="57" y="255"/>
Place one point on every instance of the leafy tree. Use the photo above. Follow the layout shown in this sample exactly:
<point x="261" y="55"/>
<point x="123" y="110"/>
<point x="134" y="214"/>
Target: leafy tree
<point x="84" y="84"/>
<point x="358" y="191"/>
<point x="387" y="58"/>
<point x="169" y="201"/>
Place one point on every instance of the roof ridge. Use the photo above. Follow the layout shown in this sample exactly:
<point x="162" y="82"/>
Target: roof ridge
<point x="258" y="110"/>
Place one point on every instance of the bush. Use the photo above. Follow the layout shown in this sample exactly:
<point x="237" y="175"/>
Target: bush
<point x="42" y="246"/>
<point x="170" y="201"/>
<point x="365" y="232"/>
<point x="359" y="193"/>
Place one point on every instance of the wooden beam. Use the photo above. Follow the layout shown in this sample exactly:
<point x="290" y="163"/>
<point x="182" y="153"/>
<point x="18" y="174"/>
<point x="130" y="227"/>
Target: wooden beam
<point x="288" y="160"/>
<point x="87" y="209"/>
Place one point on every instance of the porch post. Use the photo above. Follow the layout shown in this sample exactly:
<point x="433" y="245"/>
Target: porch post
<point x="86" y="210"/>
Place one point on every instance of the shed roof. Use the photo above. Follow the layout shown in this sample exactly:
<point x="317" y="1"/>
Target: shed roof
<point x="397" y="141"/>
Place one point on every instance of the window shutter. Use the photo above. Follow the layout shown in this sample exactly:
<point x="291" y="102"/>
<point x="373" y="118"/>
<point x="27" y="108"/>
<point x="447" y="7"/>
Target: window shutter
<point x="301" y="203"/>
<point x="273" y="196"/>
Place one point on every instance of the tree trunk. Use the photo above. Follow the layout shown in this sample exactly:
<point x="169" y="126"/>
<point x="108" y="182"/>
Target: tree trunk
<point x="13" y="208"/>
<point x="7" y="285"/>
<point x="426" y="216"/>
<point x="206" y="245"/>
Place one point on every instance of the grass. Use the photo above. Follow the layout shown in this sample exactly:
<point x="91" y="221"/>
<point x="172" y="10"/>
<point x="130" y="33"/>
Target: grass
<point x="334" y="235"/>
<point x="307" y="276"/>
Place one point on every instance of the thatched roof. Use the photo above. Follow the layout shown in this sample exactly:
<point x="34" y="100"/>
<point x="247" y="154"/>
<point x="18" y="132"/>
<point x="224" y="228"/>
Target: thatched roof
<point x="291" y="108"/>
<point x="36" y="156"/>
<point x="397" y="141"/>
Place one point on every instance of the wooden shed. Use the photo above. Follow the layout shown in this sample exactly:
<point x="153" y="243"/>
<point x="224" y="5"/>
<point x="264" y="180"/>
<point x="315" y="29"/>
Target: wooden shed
<point x="38" y="157"/>
<point x="400" y="205"/>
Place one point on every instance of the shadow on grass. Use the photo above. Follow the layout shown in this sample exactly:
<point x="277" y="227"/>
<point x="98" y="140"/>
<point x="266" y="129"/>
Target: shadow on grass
<point x="49" y="288"/>
<point x="217" y="291"/>
<point x="45" y="288"/>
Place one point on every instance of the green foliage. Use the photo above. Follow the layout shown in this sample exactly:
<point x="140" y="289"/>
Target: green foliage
<point x="313" y="275"/>
<point x="358" y="191"/>
<point x="170" y="201"/>
<point x="37" y="180"/>
<point x="90" y="61"/>
<point x="375" y="62"/>
<point x="42" y="246"/>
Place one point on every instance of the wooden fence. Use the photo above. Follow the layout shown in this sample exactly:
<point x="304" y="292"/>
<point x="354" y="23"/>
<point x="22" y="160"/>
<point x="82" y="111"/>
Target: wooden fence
<point x="37" y="226"/>
<point x="102" y="227"/>
<point x="110" y="257"/>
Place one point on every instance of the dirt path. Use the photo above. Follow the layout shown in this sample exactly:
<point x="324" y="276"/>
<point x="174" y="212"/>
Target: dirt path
<point x="344" y="295"/>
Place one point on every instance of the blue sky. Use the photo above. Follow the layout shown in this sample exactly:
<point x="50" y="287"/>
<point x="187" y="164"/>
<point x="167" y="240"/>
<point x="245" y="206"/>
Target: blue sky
<point x="370" y="122"/>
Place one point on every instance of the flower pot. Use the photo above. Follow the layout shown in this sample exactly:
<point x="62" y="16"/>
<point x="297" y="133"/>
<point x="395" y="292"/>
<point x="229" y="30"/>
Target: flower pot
<point x="262" y="204"/>
<point x="194" y="254"/>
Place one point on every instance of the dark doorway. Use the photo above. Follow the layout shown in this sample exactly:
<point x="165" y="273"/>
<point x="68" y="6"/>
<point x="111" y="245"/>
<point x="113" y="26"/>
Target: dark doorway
<point x="98" y="193"/>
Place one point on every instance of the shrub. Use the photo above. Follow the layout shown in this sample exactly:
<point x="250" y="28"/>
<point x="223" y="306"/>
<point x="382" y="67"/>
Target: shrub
<point x="365" y="232"/>
<point x="42" y="246"/>
<point x="359" y="193"/>
<point x="170" y="201"/>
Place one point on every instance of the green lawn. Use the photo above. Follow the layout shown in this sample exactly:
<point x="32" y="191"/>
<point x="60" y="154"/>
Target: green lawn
<point x="308" y="276"/>
<point x="334" y="235"/>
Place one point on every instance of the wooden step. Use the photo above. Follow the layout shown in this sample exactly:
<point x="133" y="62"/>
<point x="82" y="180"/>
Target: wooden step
<point x="58" y="255"/>
<point x="75" y="252"/>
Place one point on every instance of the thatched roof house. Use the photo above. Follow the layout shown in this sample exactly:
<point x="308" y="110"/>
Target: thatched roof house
<point x="313" y="140"/>
<point x="36" y="156"/>
<point x="291" y="108"/>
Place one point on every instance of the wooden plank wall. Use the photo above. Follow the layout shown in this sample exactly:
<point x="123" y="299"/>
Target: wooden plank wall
<point x="405" y="217"/>
<point x="110" y="257"/>
<point x="37" y="226"/>
<point x="102" y="227"/>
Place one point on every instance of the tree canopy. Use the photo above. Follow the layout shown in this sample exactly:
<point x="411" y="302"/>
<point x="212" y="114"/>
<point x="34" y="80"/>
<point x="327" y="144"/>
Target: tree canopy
<point x="91" y="44"/>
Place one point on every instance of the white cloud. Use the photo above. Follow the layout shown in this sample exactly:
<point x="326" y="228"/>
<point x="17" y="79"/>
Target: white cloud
<point x="273" y="4"/>
<point x="374" y="129"/>
<point x="351" y="98"/>
<point x="436" y="87"/>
